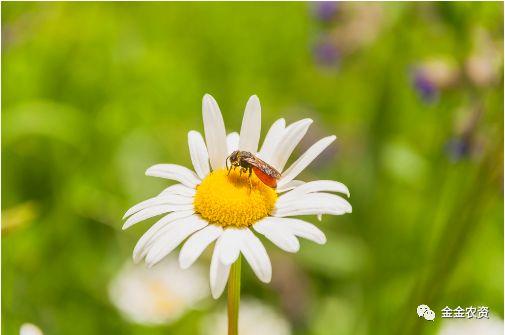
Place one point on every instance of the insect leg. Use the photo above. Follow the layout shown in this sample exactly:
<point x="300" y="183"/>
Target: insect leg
<point x="228" y="168"/>
<point x="249" y="178"/>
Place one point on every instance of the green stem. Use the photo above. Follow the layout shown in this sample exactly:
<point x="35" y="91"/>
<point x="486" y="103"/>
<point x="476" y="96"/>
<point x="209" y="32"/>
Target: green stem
<point x="234" y="297"/>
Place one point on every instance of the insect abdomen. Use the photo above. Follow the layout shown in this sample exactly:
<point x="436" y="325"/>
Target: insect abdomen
<point x="266" y="179"/>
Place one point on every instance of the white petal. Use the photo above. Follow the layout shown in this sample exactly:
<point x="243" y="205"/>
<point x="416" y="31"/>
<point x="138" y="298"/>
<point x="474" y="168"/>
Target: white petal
<point x="304" y="160"/>
<point x="294" y="227"/>
<point x="215" y="133"/>
<point x="197" y="243"/>
<point x="174" y="172"/>
<point x="315" y="186"/>
<point x="289" y="186"/>
<point x="251" y="125"/>
<point x="198" y="153"/>
<point x="286" y="212"/>
<point x="153" y="211"/>
<point x="218" y="273"/>
<point x="312" y="204"/>
<point x="290" y="139"/>
<point x="179" y="231"/>
<point x="272" y="140"/>
<point x="278" y="234"/>
<point x="180" y="190"/>
<point x="140" y="249"/>
<point x="168" y="199"/>
<point x="230" y="242"/>
<point x="321" y="198"/>
<point x="232" y="142"/>
<point x="256" y="255"/>
<point x="320" y="217"/>
<point x="306" y="230"/>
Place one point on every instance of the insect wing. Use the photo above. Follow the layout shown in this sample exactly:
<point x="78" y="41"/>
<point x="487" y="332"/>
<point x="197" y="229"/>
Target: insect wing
<point x="261" y="165"/>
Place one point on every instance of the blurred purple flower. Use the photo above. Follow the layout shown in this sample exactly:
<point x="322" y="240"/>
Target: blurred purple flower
<point x="458" y="148"/>
<point x="426" y="89"/>
<point x="326" y="53"/>
<point x="432" y="76"/>
<point x="326" y="10"/>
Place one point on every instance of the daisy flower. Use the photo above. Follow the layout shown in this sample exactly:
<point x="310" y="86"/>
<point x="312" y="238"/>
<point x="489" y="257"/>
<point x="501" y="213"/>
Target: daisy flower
<point x="157" y="296"/>
<point x="30" y="329"/>
<point x="211" y="204"/>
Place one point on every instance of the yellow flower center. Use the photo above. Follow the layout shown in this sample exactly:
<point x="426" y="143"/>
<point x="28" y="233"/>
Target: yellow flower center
<point x="234" y="199"/>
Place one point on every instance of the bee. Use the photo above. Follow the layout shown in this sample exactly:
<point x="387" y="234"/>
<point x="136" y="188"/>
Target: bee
<point x="249" y="163"/>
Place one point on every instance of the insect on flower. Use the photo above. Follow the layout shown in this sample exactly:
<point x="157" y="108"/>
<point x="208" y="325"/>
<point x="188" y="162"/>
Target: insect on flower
<point x="249" y="163"/>
<point x="207" y="205"/>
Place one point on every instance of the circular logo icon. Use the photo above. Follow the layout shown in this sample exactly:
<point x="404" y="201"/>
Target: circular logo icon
<point x="425" y="312"/>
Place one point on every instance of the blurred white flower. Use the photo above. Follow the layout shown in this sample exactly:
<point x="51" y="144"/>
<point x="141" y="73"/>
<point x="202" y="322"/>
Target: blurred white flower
<point x="359" y="26"/>
<point x="483" y="67"/>
<point x="491" y="326"/>
<point x="442" y="72"/>
<point x="227" y="206"/>
<point x="29" y="329"/>
<point x="159" y="295"/>
<point x="255" y="319"/>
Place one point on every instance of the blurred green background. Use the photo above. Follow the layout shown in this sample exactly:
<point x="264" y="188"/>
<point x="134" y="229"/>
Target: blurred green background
<point x="94" y="93"/>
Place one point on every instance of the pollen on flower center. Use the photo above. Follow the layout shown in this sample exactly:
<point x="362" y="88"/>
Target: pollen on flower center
<point x="229" y="200"/>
